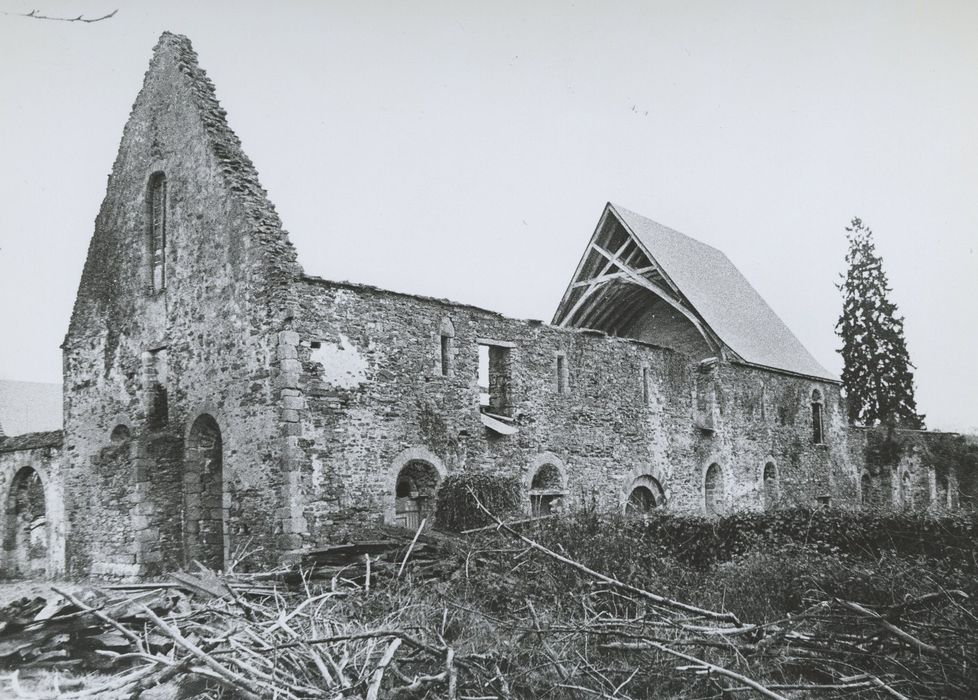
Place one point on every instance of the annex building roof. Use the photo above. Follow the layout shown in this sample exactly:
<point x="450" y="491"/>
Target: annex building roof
<point x="634" y="264"/>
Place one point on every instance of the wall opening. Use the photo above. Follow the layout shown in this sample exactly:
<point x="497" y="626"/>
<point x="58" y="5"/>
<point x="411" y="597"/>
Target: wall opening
<point x="563" y="375"/>
<point x="646" y="386"/>
<point x="414" y="494"/>
<point x="645" y="496"/>
<point x="495" y="379"/>
<point x="865" y="490"/>
<point x="713" y="491"/>
<point x="547" y="489"/>
<point x="120" y="434"/>
<point x="772" y="486"/>
<point x="157" y="232"/>
<point x="446" y="346"/>
<point x="205" y="502"/>
<point x="26" y="542"/>
<point x="818" y="436"/>
<point x="906" y="491"/>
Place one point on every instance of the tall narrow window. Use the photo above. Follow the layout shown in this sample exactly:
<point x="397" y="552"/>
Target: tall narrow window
<point x="563" y="378"/>
<point x="646" y="386"/>
<point x="818" y="436"/>
<point x="157" y="232"/>
<point x="446" y="346"/>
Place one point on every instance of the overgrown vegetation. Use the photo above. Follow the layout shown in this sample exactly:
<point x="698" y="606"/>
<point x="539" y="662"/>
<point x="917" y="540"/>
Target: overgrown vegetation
<point x="790" y="604"/>
<point x="457" y="510"/>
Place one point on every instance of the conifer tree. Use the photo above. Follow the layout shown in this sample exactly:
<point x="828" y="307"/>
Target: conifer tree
<point x="877" y="373"/>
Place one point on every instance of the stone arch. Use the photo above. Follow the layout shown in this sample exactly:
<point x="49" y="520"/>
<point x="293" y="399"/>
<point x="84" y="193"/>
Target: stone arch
<point x="120" y="434"/>
<point x="545" y="483"/>
<point x="644" y="495"/>
<point x="714" y="490"/>
<point x="27" y="532"/>
<point x="205" y="498"/>
<point x="771" y="483"/>
<point x="412" y="485"/>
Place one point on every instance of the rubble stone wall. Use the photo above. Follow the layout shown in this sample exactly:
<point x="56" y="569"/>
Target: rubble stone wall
<point x="32" y="534"/>
<point x="153" y="352"/>
<point x="372" y="396"/>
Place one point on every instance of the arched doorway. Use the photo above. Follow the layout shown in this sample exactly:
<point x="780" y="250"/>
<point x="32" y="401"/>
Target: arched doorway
<point x="646" y="495"/>
<point x="26" y="542"/>
<point x="713" y="492"/>
<point x="414" y="493"/>
<point x="546" y="489"/>
<point x="204" y="500"/>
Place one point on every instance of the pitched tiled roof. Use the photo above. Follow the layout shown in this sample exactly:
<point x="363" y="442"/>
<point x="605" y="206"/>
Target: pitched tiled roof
<point x="32" y="441"/>
<point x="723" y="298"/>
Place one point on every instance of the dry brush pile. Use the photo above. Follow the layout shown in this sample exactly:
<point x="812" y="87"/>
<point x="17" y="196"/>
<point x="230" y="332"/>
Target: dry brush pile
<point x="494" y="614"/>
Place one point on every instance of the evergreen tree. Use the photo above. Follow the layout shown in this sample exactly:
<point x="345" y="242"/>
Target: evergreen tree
<point x="877" y="373"/>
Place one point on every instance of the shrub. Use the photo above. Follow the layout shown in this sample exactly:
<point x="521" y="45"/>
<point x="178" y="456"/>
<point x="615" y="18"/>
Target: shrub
<point x="457" y="510"/>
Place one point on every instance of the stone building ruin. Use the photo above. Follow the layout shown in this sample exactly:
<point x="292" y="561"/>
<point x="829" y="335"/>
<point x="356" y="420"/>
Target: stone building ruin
<point x="215" y="394"/>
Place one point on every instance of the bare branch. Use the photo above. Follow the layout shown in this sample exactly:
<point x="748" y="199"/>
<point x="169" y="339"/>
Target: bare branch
<point x="33" y="14"/>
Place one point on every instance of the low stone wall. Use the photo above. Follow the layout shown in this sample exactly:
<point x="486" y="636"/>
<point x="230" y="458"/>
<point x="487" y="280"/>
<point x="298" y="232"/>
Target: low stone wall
<point x="32" y="524"/>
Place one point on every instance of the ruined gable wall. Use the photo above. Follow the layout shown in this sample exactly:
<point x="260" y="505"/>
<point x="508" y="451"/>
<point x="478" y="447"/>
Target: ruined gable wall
<point x="45" y="554"/>
<point x="372" y="397"/>
<point x="208" y="339"/>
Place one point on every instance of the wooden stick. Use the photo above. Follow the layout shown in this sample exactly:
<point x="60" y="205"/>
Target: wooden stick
<point x="374" y="689"/>
<point x="411" y="547"/>
<point x="700" y="663"/>
<point x="908" y="638"/>
<point x="225" y="674"/>
<point x="509" y="523"/>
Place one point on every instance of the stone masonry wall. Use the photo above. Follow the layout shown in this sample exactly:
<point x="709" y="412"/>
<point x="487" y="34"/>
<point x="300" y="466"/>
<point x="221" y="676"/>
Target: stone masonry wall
<point x="154" y="360"/>
<point x="371" y="397"/>
<point x="31" y="545"/>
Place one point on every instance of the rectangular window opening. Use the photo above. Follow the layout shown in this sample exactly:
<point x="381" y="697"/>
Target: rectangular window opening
<point x="446" y="355"/>
<point x="563" y="378"/>
<point x="495" y="378"/>
<point x="646" y="386"/>
<point x="817" y="435"/>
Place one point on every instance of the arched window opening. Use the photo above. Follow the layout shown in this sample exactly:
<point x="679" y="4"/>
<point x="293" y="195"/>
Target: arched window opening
<point x="713" y="491"/>
<point x="206" y="506"/>
<point x="26" y="542"/>
<point x="414" y="494"/>
<point x="120" y="434"/>
<point x="157" y="232"/>
<point x="865" y="490"/>
<point x="546" y="490"/>
<point x="772" y="486"/>
<point x="818" y="435"/>
<point x="645" y="496"/>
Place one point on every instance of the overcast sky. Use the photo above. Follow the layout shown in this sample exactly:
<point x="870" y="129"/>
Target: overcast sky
<point x="466" y="149"/>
